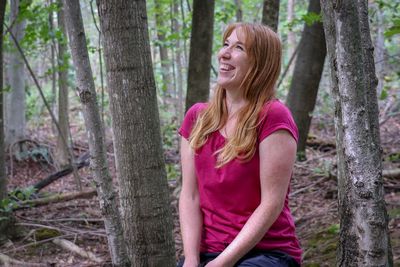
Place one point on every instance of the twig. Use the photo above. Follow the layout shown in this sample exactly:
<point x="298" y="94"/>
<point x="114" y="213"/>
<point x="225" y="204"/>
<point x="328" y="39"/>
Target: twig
<point x="326" y="178"/>
<point x="7" y="261"/>
<point x="36" y="243"/>
<point x="68" y="245"/>
<point x="288" y="66"/>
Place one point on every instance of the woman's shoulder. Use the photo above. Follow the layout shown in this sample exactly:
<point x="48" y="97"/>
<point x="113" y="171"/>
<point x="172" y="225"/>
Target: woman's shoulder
<point x="195" y="110"/>
<point x="274" y="108"/>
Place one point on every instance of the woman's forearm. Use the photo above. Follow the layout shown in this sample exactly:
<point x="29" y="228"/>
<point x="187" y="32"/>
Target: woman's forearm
<point x="191" y="223"/>
<point x="252" y="232"/>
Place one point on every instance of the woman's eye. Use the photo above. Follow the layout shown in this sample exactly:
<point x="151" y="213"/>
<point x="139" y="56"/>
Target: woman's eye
<point x="241" y="48"/>
<point x="225" y="44"/>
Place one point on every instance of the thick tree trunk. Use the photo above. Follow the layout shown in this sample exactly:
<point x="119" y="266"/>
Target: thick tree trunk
<point x="15" y="105"/>
<point x="94" y="127"/>
<point x="380" y="48"/>
<point x="364" y="238"/>
<point x="198" y="88"/>
<point x="270" y="15"/>
<point x="307" y="75"/>
<point x="144" y="197"/>
<point x="62" y="153"/>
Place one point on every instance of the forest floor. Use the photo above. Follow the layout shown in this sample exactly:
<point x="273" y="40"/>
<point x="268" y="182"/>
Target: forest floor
<point x="313" y="202"/>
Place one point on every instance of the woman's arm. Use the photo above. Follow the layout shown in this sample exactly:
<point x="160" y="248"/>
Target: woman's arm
<point x="277" y="156"/>
<point x="189" y="207"/>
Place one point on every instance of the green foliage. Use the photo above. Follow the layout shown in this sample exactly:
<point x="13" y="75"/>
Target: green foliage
<point x="307" y="18"/>
<point x="9" y="203"/>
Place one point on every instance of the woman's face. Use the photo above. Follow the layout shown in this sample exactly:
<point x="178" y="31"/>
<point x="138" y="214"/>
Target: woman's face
<point x="233" y="61"/>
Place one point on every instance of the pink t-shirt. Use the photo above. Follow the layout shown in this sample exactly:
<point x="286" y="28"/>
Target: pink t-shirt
<point x="230" y="194"/>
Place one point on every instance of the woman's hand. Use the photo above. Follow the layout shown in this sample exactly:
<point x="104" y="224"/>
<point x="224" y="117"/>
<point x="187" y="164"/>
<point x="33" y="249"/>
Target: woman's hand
<point x="217" y="263"/>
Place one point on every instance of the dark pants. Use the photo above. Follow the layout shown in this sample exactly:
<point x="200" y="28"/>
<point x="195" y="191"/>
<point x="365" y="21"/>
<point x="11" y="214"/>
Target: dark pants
<point x="254" y="258"/>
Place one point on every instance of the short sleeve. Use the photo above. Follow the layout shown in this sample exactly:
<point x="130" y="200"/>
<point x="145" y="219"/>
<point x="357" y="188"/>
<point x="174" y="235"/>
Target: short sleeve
<point x="276" y="116"/>
<point x="190" y="119"/>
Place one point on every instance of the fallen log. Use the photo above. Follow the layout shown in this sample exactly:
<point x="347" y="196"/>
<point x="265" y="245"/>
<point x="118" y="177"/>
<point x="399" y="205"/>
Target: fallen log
<point x="82" y="161"/>
<point x="7" y="261"/>
<point x="394" y="173"/>
<point x="68" y="245"/>
<point x="55" y="199"/>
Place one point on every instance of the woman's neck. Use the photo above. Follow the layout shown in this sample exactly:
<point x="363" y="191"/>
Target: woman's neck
<point x="234" y="102"/>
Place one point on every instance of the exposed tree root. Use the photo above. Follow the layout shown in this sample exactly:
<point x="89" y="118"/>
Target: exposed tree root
<point x="68" y="245"/>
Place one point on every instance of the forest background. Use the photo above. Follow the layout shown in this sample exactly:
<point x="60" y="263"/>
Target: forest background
<point x="34" y="150"/>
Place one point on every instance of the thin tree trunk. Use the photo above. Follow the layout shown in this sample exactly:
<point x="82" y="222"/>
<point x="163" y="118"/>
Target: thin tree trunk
<point x="291" y="36"/>
<point x="380" y="49"/>
<point x="62" y="139"/>
<point x="53" y="66"/>
<point x="239" y="10"/>
<point x="3" y="176"/>
<point x="307" y="75"/>
<point x="364" y="238"/>
<point x="94" y="127"/>
<point x="270" y="15"/>
<point x="198" y="88"/>
<point x="165" y="62"/>
<point x="15" y="105"/>
<point x="178" y="59"/>
<point x="144" y="196"/>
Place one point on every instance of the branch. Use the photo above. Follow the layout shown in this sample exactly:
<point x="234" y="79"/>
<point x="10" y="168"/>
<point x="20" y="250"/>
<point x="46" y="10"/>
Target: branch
<point x="82" y="162"/>
<point x="68" y="245"/>
<point x="55" y="199"/>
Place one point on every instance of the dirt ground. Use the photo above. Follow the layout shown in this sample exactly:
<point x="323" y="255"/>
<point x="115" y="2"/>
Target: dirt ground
<point x="313" y="202"/>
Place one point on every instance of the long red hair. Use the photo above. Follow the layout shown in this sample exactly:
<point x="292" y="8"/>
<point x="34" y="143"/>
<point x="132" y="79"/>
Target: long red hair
<point x="258" y="87"/>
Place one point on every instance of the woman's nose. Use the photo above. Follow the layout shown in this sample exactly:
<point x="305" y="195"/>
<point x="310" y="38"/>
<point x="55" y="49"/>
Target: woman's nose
<point x="225" y="52"/>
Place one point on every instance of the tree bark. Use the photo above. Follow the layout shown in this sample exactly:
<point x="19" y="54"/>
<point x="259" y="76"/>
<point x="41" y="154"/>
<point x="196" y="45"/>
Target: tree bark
<point x="178" y="59"/>
<point x="165" y="62"/>
<point x="144" y="196"/>
<point x="198" y="87"/>
<point x="307" y="75"/>
<point x="3" y="177"/>
<point x="94" y="127"/>
<point x="364" y="238"/>
<point x="62" y="153"/>
<point x="270" y="15"/>
<point x="291" y="36"/>
<point x="239" y="10"/>
<point x="15" y="105"/>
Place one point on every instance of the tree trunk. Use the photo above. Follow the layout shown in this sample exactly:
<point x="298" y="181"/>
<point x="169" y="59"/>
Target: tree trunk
<point x="270" y="15"/>
<point x="94" y="127"/>
<point x="165" y="64"/>
<point x="380" y="48"/>
<point x="364" y="238"/>
<point x="198" y="88"/>
<point x="291" y="36"/>
<point x="239" y="10"/>
<point x="3" y="176"/>
<point x="15" y="104"/>
<point x="144" y="196"/>
<point x="307" y="75"/>
<point x="178" y="58"/>
<point x="7" y="221"/>
<point x="62" y="153"/>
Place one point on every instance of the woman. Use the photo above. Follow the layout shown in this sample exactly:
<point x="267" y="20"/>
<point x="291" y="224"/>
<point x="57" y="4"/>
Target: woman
<point x="237" y="157"/>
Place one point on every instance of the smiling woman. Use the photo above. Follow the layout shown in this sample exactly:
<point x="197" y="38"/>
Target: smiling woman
<point x="237" y="157"/>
